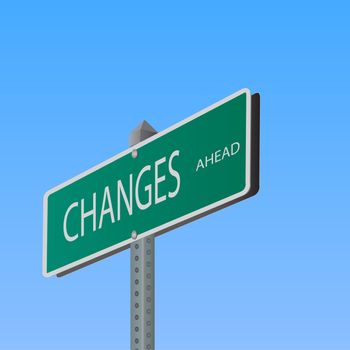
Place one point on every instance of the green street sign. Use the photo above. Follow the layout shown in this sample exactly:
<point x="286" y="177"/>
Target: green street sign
<point x="197" y="166"/>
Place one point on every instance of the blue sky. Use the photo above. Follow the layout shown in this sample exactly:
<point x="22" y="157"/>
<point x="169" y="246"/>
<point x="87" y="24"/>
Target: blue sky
<point x="269" y="273"/>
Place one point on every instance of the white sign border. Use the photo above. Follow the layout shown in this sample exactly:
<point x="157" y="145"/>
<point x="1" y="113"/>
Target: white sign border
<point x="169" y="224"/>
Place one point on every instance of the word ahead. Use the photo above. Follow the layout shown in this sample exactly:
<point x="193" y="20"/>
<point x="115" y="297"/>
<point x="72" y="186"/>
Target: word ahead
<point x="196" y="166"/>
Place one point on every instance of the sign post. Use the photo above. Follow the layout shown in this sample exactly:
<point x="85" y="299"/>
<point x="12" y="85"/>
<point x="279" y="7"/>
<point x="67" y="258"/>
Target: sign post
<point x="199" y="165"/>
<point x="142" y="274"/>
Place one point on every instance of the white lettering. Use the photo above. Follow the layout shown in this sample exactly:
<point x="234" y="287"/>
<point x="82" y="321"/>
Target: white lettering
<point x="148" y="188"/>
<point x="66" y="234"/>
<point x="226" y="153"/>
<point x="128" y="202"/>
<point x="174" y="173"/>
<point x="237" y="148"/>
<point x="217" y="156"/>
<point x="84" y="215"/>
<point x="200" y="165"/>
<point x="158" y="180"/>
<point x="109" y="209"/>
<point x="211" y="159"/>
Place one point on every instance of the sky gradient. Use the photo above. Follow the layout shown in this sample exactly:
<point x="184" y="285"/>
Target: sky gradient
<point x="269" y="273"/>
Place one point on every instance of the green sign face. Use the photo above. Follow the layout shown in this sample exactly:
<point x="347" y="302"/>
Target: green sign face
<point x="192" y="168"/>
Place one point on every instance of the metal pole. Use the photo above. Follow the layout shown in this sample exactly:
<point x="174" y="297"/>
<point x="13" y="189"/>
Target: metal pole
<point x="141" y="273"/>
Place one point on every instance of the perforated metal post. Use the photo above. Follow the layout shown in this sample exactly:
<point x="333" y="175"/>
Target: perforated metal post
<point x="142" y="294"/>
<point x="141" y="272"/>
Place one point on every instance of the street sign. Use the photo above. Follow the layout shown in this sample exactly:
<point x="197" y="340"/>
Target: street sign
<point x="196" y="166"/>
